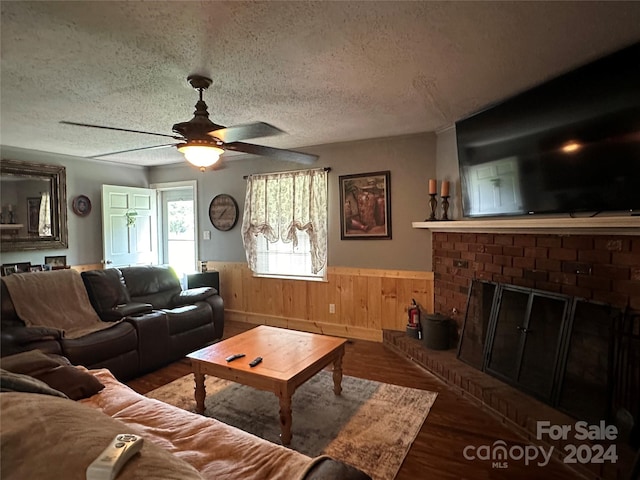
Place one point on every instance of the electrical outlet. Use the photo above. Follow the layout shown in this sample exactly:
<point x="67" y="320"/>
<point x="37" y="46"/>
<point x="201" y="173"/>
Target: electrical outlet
<point x="332" y="308"/>
<point x="206" y="234"/>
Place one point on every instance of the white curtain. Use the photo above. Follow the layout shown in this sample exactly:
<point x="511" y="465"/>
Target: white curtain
<point x="44" y="221"/>
<point x="278" y="205"/>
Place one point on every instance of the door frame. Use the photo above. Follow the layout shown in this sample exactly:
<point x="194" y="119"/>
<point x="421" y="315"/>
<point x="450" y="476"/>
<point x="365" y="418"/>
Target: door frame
<point x="166" y="186"/>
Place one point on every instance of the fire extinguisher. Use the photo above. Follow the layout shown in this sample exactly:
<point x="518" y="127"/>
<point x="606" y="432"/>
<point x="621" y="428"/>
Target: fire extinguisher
<point x="414" y="314"/>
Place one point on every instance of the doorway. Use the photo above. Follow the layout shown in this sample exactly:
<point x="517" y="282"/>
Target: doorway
<point x="177" y="221"/>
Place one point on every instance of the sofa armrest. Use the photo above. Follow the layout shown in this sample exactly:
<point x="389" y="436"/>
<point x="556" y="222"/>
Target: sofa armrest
<point x="330" y="469"/>
<point x="193" y="295"/>
<point x="26" y="335"/>
<point x="124" y="310"/>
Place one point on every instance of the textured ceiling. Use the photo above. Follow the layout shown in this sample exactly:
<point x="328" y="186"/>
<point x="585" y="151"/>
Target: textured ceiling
<point x="324" y="72"/>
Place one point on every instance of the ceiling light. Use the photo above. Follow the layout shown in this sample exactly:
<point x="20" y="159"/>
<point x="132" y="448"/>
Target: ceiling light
<point x="201" y="153"/>
<point x="571" y="147"/>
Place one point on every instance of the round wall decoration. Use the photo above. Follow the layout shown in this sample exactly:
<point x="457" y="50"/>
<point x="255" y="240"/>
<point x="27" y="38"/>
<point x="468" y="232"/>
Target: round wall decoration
<point x="223" y="212"/>
<point x="81" y="205"/>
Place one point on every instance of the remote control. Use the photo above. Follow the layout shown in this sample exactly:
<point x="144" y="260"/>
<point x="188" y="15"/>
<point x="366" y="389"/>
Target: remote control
<point x="113" y="458"/>
<point x="235" y="356"/>
<point x="255" y="362"/>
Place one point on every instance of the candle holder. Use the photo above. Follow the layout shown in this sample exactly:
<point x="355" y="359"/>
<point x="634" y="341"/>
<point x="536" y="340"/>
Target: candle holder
<point x="445" y="207"/>
<point x="432" y="205"/>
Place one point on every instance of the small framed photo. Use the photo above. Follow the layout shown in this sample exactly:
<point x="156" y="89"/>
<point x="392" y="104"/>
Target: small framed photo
<point x="56" y="262"/>
<point x="8" y="270"/>
<point x="35" y="268"/>
<point x="365" y="206"/>
<point x="81" y="205"/>
<point x="23" y="267"/>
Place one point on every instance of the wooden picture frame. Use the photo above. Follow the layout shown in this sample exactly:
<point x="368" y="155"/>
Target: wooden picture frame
<point x="33" y="214"/>
<point x="8" y="270"/>
<point x="58" y="261"/>
<point x="365" y="206"/>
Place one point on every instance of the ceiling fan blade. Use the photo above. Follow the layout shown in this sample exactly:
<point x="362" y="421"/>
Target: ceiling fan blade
<point x="245" y="131"/>
<point x="176" y="137"/>
<point x="134" y="150"/>
<point x="287" y="155"/>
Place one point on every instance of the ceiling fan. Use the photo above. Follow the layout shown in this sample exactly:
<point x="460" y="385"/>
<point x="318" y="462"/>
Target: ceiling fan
<point x="202" y="141"/>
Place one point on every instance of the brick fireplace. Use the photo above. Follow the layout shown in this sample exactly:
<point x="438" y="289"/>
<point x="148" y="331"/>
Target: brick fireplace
<point x="596" y="267"/>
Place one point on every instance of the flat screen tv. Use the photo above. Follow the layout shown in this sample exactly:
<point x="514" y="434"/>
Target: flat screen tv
<point x="569" y="145"/>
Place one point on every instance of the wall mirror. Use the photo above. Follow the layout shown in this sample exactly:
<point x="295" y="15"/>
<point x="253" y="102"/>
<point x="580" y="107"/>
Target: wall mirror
<point x="33" y="203"/>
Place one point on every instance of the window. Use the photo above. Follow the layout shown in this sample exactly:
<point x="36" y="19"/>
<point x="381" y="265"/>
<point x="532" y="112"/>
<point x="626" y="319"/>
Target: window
<point x="284" y="225"/>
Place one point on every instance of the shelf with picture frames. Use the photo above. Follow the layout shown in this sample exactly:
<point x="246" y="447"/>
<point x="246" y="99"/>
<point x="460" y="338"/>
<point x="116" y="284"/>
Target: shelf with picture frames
<point x="619" y="225"/>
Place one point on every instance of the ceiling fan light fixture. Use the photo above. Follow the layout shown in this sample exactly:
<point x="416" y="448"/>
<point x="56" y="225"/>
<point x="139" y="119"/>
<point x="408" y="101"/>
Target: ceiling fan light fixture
<point x="201" y="153"/>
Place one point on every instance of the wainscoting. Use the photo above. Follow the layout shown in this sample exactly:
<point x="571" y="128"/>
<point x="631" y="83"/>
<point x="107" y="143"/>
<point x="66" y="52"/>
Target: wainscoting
<point x="367" y="301"/>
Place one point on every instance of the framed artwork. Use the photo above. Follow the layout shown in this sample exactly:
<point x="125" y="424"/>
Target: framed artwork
<point x="81" y="205"/>
<point x="22" y="267"/>
<point x="8" y="270"/>
<point x="365" y="206"/>
<point x="33" y="214"/>
<point x="57" y="261"/>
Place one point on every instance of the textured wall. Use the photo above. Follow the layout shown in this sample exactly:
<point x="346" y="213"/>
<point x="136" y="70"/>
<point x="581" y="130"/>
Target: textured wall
<point x="84" y="177"/>
<point x="411" y="161"/>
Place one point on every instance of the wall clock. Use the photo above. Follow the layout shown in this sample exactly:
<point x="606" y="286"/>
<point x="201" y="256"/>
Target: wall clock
<point x="223" y="212"/>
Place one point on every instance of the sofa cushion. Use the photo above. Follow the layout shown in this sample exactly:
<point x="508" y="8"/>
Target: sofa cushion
<point x="105" y="288"/>
<point x="96" y="347"/>
<point x="188" y="317"/>
<point x="16" y="382"/>
<point x="146" y="280"/>
<point x="55" y="371"/>
<point x="74" y="435"/>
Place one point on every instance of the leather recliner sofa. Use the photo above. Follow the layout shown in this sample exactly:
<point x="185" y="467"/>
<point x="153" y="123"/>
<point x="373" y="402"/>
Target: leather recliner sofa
<point x="160" y="322"/>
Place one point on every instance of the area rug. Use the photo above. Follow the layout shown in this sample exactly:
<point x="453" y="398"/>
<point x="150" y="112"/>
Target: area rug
<point x="370" y="425"/>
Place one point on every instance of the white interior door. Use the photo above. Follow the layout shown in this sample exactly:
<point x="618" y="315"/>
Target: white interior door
<point x="129" y="226"/>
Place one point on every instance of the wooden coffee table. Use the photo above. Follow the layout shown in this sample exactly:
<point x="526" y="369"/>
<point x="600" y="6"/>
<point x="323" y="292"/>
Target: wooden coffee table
<point x="290" y="358"/>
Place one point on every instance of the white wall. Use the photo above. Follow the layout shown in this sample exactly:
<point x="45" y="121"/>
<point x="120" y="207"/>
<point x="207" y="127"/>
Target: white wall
<point x="84" y="177"/>
<point x="411" y="161"/>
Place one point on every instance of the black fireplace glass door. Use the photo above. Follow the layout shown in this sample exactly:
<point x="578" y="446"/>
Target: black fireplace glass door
<point x="506" y="342"/>
<point x="476" y="323"/>
<point x="542" y="344"/>
<point x="585" y="391"/>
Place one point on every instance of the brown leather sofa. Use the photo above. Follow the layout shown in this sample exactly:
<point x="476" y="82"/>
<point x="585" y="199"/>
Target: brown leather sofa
<point x="161" y="322"/>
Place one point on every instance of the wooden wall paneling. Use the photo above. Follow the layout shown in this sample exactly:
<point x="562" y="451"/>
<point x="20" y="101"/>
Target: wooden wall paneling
<point x="389" y="304"/>
<point x="374" y="303"/>
<point x="366" y="300"/>
<point x="345" y="287"/>
<point x="300" y="298"/>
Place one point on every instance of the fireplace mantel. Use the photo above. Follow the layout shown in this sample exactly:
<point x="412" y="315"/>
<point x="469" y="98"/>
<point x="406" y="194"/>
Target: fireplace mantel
<point x="627" y="225"/>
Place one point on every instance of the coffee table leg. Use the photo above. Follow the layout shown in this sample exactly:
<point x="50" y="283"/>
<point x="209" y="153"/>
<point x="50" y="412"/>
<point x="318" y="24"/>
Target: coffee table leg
<point x="200" y="392"/>
<point x="337" y="373"/>
<point x="285" y="418"/>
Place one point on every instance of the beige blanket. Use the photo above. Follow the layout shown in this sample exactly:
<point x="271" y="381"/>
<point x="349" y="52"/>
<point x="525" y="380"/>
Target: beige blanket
<point x="55" y="299"/>
<point x="53" y="438"/>
<point x="218" y="451"/>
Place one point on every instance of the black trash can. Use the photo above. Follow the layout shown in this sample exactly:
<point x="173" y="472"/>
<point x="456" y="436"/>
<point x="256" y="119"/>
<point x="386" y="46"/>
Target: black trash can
<point x="436" y="331"/>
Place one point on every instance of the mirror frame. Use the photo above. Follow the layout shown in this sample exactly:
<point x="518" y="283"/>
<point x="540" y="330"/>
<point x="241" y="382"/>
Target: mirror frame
<point x="58" y="177"/>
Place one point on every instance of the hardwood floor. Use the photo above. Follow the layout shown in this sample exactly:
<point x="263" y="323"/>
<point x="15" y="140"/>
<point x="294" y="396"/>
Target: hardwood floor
<point x="453" y="423"/>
